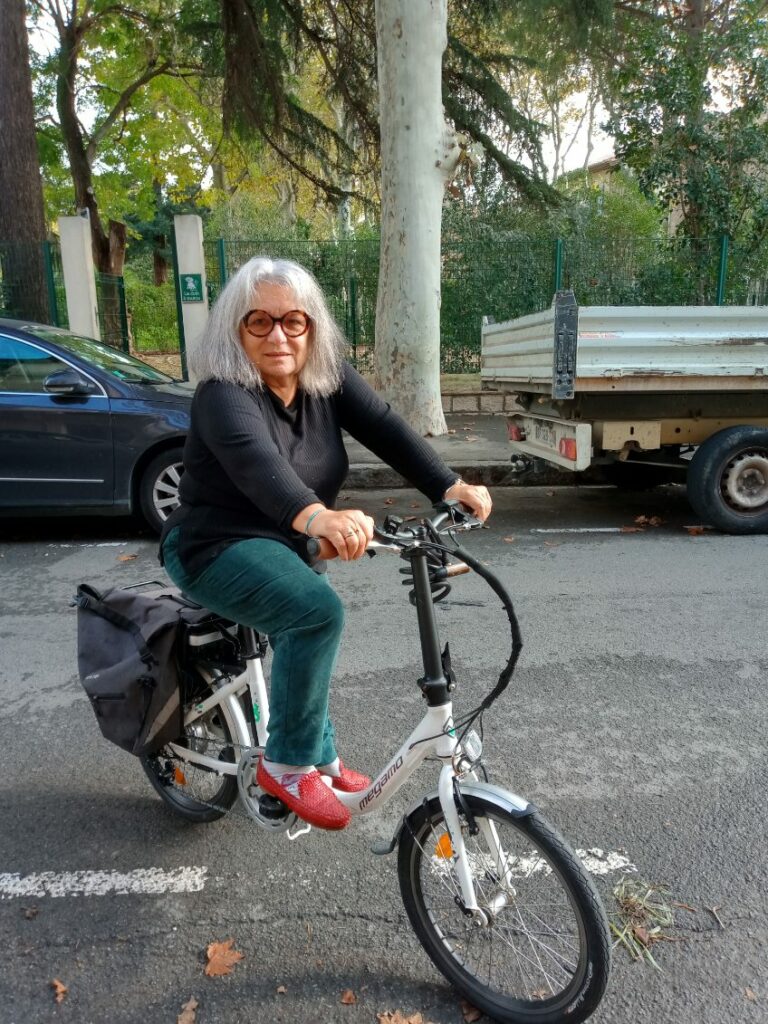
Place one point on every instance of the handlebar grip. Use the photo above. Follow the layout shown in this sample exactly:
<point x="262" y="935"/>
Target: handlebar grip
<point x="319" y="550"/>
<point x="313" y="550"/>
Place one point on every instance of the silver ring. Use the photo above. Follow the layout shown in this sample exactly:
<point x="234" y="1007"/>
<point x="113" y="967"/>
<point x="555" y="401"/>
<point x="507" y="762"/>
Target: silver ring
<point x="352" y="533"/>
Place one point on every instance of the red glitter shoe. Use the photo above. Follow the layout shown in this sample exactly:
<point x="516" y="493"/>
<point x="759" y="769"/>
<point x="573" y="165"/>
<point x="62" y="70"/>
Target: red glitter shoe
<point x="315" y="802"/>
<point x="349" y="781"/>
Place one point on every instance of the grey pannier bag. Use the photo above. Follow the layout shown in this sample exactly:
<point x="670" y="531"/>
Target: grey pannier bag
<point x="126" y="656"/>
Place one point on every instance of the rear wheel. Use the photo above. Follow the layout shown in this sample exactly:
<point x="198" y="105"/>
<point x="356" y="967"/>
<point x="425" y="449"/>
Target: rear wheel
<point x="191" y="791"/>
<point x="544" y="953"/>
<point x="728" y="480"/>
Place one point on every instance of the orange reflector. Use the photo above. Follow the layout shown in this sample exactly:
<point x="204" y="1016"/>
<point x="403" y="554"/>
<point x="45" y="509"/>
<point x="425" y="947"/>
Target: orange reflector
<point x="567" y="448"/>
<point x="515" y="433"/>
<point x="179" y="777"/>
<point x="443" y="847"/>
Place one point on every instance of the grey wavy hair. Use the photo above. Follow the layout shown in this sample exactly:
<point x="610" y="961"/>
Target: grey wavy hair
<point x="220" y="355"/>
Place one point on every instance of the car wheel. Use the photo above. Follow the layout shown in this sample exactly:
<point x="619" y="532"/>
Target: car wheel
<point x="159" y="487"/>
<point x="728" y="480"/>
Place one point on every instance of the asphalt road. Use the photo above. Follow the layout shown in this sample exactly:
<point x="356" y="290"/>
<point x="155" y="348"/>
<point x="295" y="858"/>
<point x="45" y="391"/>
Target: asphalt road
<point x="637" y="721"/>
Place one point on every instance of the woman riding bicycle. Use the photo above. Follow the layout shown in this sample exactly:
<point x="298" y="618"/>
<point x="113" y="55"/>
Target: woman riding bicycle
<point x="264" y="462"/>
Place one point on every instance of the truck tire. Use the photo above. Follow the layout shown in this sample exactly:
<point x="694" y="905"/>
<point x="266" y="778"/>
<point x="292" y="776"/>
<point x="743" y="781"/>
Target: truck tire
<point x="728" y="480"/>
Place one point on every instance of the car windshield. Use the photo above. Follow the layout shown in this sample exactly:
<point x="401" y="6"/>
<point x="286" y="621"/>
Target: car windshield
<point x="119" y="364"/>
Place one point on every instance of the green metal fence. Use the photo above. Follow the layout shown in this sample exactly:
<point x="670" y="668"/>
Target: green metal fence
<point x="151" y="303"/>
<point x="32" y="282"/>
<point x="348" y="273"/>
<point x="505" y="275"/>
<point x="113" y="317"/>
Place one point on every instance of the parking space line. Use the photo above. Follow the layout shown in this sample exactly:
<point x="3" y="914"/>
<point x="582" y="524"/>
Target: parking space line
<point x="142" y="881"/>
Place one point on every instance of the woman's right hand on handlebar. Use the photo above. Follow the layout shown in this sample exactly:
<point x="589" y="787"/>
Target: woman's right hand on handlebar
<point x="345" y="533"/>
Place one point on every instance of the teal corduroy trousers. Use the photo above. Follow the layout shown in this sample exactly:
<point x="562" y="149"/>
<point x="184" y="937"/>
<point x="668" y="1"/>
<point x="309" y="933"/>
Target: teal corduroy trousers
<point x="264" y="584"/>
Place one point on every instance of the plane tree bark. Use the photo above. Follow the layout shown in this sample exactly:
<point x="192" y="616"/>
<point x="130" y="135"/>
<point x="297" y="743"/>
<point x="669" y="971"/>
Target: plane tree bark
<point x="22" y="217"/>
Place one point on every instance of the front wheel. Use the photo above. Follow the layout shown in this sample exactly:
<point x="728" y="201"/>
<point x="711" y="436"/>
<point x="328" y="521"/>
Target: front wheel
<point x="543" y="957"/>
<point x="159" y="487"/>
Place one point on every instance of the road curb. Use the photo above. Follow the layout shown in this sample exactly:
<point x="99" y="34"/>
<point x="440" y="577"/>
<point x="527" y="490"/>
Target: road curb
<point x="377" y="476"/>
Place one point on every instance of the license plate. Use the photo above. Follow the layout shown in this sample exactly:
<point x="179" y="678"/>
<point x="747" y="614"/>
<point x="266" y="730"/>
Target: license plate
<point x="545" y="434"/>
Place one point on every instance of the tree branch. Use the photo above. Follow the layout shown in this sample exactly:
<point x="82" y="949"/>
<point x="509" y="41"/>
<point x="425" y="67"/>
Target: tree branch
<point x="122" y="104"/>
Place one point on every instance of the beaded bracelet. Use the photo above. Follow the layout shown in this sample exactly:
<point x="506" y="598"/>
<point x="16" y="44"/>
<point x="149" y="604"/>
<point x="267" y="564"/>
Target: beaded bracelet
<point x="306" y="525"/>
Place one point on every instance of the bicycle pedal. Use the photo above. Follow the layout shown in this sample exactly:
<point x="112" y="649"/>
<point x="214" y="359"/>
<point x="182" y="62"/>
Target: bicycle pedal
<point x="272" y="808"/>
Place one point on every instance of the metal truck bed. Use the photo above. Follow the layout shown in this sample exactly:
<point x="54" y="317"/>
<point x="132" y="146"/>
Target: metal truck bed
<point x="566" y="349"/>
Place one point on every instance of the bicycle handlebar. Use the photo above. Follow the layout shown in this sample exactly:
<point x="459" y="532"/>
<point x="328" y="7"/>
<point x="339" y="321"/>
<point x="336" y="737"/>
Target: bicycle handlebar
<point x="395" y="534"/>
<point x="397" y="537"/>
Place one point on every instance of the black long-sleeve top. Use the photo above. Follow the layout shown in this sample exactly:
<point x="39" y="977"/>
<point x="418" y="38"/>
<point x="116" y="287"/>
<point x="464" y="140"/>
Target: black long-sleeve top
<point x="252" y="464"/>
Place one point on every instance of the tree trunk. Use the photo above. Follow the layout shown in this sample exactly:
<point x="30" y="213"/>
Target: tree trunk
<point x="108" y="246"/>
<point x="419" y="154"/>
<point x="23" y="291"/>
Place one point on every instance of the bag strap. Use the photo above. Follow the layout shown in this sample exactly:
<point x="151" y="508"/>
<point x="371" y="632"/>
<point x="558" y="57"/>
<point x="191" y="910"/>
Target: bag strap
<point x="91" y="600"/>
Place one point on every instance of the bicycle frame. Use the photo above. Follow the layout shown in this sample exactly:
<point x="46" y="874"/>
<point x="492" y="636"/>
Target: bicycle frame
<point x="434" y="735"/>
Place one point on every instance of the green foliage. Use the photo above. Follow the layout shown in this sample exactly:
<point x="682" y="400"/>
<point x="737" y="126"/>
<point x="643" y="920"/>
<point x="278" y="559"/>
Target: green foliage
<point x="688" y="89"/>
<point x="151" y="308"/>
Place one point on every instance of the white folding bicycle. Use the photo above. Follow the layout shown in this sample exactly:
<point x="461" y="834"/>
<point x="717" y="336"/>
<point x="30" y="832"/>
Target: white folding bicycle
<point x="499" y="901"/>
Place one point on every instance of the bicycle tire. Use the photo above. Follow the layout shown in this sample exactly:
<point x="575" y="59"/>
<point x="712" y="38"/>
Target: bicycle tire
<point x="571" y="981"/>
<point x="212" y="732"/>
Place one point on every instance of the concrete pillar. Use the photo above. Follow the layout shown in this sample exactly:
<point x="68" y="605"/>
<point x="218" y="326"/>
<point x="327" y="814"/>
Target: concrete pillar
<point x="191" y="281"/>
<point x="79" y="275"/>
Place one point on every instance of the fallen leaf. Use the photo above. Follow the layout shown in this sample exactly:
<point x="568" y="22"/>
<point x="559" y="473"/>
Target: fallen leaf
<point x="695" y="531"/>
<point x="221" y="958"/>
<point x="552" y="543"/>
<point x="389" y="501"/>
<point x="348" y="997"/>
<point x="641" y="934"/>
<point x="281" y="990"/>
<point x="451" y="430"/>
<point x="541" y="993"/>
<point x="471" y="437"/>
<point x="31" y="913"/>
<point x="750" y="995"/>
<point x="631" y="529"/>
<point x="550" y="494"/>
<point x="649" y="520"/>
<point x="187" y="1015"/>
<point x="60" y="990"/>
<point x="509" y="540"/>
<point x="470" y="1012"/>
<point x="126" y="558"/>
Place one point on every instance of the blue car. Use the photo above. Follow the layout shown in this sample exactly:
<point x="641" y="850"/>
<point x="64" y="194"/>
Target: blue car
<point x="85" y="428"/>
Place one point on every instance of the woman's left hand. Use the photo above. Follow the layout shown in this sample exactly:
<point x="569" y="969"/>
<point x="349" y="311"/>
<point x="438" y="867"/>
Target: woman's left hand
<point x="475" y="498"/>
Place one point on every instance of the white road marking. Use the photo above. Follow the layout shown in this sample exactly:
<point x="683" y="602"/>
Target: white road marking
<point x="595" y="860"/>
<point x="142" y="881"/>
<point x="580" y="529"/>
<point x="86" y="544"/>
<point x="598" y="862"/>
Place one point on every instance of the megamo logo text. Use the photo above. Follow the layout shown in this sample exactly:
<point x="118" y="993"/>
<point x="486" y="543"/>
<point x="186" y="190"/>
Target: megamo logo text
<point x="381" y="783"/>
